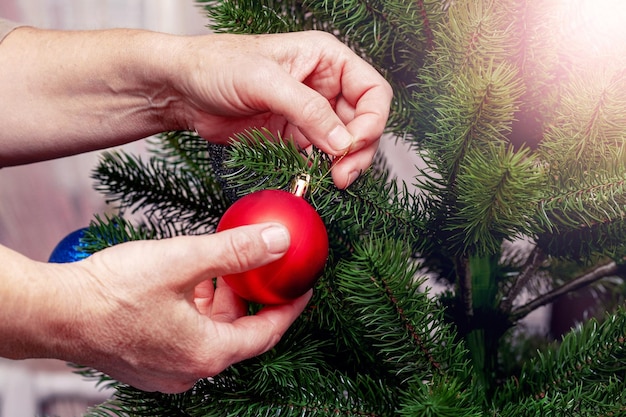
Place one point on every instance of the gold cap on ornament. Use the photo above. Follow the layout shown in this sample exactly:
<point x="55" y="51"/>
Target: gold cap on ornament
<point x="300" y="185"/>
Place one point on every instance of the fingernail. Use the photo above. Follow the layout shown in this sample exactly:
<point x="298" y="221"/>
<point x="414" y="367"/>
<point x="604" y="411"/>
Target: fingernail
<point x="340" y="139"/>
<point x="352" y="177"/>
<point x="276" y="238"/>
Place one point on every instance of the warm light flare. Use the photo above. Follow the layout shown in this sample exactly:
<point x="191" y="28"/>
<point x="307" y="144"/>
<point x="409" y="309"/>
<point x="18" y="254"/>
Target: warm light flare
<point x="595" y="27"/>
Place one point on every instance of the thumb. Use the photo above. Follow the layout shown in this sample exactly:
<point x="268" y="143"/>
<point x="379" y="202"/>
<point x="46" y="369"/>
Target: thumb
<point x="236" y="250"/>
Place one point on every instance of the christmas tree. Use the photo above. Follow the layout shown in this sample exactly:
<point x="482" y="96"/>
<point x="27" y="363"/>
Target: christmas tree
<point x="518" y="110"/>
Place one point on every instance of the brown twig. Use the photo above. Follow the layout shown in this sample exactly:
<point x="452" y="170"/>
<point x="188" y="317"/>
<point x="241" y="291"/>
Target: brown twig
<point x="582" y="281"/>
<point x="465" y="286"/>
<point x="532" y="264"/>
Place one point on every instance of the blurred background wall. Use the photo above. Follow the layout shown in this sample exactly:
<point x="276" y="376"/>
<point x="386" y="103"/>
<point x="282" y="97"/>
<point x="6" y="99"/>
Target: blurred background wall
<point x="41" y="203"/>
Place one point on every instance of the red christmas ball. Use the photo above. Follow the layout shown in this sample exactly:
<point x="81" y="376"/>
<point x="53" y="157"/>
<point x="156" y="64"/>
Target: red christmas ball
<point x="297" y="271"/>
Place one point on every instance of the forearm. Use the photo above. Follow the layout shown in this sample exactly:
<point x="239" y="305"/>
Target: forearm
<point x="70" y="92"/>
<point x="35" y="314"/>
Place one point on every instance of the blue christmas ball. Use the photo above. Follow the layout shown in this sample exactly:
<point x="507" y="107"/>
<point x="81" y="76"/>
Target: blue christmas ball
<point x="69" y="248"/>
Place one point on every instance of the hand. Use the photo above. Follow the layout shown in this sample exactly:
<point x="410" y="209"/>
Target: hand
<point x="146" y="312"/>
<point x="305" y="84"/>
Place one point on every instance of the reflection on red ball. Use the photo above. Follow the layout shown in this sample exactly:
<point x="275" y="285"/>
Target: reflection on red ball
<point x="296" y="272"/>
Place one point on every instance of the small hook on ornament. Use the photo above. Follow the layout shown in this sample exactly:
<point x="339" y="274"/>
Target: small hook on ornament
<point x="300" y="185"/>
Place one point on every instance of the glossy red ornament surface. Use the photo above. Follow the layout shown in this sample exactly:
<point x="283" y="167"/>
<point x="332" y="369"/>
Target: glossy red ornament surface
<point x="296" y="272"/>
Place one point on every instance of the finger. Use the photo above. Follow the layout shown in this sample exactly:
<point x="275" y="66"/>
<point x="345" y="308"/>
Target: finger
<point x="282" y="316"/>
<point x="310" y="112"/>
<point x="348" y="169"/>
<point x="364" y="106"/>
<point x="203" y="296"/>
<point x="369" y="94"/>
<point x="254" y="335"/>
<point x="199" y="258"/>
<point x="356" y="122"/>
<point x="366" y="129"/>
<point x="227" y="306"/>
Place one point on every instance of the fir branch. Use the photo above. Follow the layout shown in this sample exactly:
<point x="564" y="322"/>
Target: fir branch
<point x="182" y="150"/>
<point x="331" y="395"/>
<point x="582" y="221"/>
<point x="476" y="41"/>
<point x="295" y="378"/>
<point x="496" y="194"/>
<point x="372" y="205"/>
<point x="102" y="380"/>
<point x="584" y="375"/>
<point x="582" y="281"/>
<point x="379" y="284"/>
<point x="474" y="115"/>
<point x="163" y="193"/>
<point x="583" y="244"/>
<point x="395" y="35"/>
<point x="351" y="353"/>
<point x="589" y="127"/>
<point x="258" y="159"/>
<point x="303" y="386"/>
<point x="478" y="112"/>
<point x="300" y="356"/>
<point x="541" y="63"/>
<point x="255" y="16"/>
<point x="476" y="34"/>
<point x="131" y="402"/>
<point x="574" y="403"/>
<point x="440" y="397"/>
<point x="599" y="199"/>
<point x="107" y="231"/>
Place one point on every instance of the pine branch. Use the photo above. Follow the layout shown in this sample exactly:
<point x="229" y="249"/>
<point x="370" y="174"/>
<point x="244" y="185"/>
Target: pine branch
<point x="258" y="159"/>
<point x="477" y="33"/>
<point x="130" y="402"/>
<point x="171" y="195"/>
<point x="330" y="395"/>
<point x="589" y="128"/>
<point x="588" y="219"/>
<point x="496" y="194"/>
<point x="582" y="281"/>
<point x="112" y="230"/>
<point x="379" y="285"/>
<point x="541" y="64"/>
<point x="375" y="206"/>
<point x="584" y="152"/>
<point x="182" y="150"/>
<point x="584" y="375"/>
<point x="474" y="37"/>
<point x="478" y="112"/>
<point x="439" y="397"/>
<point x="598" y="199"/>
<point x="255" y="16"/>
<point x="293" y="379"/>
